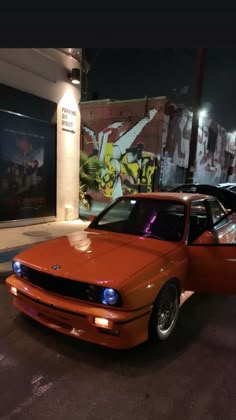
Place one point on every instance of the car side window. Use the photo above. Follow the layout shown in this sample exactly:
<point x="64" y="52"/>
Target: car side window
<point x="216" y="210"/>
<point x="118" y="213"/>
<point x="198" y="220"/>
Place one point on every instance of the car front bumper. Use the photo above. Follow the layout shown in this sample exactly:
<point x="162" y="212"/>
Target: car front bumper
<point x="125" y="329"/>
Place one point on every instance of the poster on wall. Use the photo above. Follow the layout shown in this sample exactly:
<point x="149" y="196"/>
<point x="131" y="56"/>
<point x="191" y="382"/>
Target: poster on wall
<point x="27" y="167"/>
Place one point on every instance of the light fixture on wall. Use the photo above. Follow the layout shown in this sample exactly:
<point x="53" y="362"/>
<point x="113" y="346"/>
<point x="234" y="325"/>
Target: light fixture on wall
<point x="74" y="76"/>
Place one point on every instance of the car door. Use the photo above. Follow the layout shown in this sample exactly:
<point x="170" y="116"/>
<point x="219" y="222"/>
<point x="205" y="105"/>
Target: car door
<point x="212" y="258"/>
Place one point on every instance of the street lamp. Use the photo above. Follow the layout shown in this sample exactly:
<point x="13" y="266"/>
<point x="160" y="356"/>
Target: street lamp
<point x="203" y="113"/>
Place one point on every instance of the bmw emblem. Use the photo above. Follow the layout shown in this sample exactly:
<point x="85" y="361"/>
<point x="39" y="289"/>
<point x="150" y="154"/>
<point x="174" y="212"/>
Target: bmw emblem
<point x="56" y="267"/>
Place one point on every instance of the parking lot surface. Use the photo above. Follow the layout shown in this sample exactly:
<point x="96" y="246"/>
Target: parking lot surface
<point x="45" y="375"/>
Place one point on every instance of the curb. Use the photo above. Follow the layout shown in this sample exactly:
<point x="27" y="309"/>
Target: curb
<point x="9" y="254"/>
<point x="12" y="248"/>
<point x="27" y="245"/>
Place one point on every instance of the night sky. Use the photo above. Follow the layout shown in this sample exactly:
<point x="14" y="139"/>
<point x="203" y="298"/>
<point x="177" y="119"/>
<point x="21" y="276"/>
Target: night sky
<point x="124" y="73"/>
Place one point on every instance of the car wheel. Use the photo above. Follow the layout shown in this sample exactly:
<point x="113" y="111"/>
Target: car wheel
<point x="165" y="313"/>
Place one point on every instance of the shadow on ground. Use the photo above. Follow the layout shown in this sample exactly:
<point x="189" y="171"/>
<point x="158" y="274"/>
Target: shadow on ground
<point x="194" y="316"/>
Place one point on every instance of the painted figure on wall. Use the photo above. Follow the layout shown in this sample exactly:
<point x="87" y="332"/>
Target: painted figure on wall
<point x="176" y="143"/>
<point x="178" y="137"/>
<point x="138" y="169"/>
<point x="124" y="164"/>
<point x="211" y="165"/>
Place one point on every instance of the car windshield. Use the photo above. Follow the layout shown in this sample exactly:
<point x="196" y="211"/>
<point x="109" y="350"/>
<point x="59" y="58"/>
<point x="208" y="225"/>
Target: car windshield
<point x="147" y="217"/>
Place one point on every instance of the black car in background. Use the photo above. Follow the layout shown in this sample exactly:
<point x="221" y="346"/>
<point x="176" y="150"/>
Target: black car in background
<point x="225" y="196"/>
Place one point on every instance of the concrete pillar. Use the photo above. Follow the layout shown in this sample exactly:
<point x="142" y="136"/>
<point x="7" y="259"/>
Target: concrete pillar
<point x="68" y="147"/>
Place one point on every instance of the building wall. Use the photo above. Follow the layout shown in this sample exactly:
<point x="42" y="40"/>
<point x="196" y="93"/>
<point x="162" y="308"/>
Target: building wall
<point x="144" y="146"/>
<point x="215" y="151"/>
<point x="44" y="73"/>
<point x="127" y="138"/>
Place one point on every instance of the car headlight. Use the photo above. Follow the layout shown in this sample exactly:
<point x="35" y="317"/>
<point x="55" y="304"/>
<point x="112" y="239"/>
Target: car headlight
<point x="17" y="268"/>
<point x="110" y="296"/>
<point x="104" y="295"/>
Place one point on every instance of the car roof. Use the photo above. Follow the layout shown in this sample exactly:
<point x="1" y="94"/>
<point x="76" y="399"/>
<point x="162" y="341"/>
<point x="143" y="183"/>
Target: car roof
<point x="170" y="196"/>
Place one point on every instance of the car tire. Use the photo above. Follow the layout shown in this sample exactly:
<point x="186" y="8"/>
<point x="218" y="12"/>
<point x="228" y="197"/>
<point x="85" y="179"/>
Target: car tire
<point x="165" y="313"/>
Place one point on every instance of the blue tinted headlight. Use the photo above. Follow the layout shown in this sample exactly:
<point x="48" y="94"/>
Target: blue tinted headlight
<point x="110" y="296"/>
<point x="17" y="268"/>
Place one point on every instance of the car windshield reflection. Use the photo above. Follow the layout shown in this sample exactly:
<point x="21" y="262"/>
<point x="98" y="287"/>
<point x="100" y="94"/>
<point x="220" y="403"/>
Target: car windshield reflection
<point x="158" y="219"/>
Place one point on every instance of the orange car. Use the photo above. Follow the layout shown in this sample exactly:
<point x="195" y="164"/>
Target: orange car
<point x="123" y="279"/>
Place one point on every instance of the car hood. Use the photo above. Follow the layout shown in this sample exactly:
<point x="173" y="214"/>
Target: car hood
<point x="96" y="257"/>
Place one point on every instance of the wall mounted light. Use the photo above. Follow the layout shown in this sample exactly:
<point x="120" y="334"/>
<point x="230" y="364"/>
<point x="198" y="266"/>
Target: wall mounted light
<point x="74" y="76"/>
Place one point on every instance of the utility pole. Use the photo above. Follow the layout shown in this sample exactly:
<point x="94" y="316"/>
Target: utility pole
<point x="195" y="121"/>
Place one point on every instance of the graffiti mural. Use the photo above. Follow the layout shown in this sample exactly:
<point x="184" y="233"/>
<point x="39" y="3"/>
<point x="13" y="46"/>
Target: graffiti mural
<point x="176" y="145"/>
<point x="144" y="146"/>
<point x="213" y="154"/>
<point x="127" y="166"/>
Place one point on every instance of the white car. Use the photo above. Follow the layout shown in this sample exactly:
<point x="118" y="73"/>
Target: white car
<point x="231" y="186"/>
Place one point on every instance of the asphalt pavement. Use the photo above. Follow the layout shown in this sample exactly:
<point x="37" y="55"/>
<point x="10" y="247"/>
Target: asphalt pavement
<point x="45" y="375"/>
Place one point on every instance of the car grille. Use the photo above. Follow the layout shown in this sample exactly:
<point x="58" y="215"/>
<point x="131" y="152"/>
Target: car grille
<point x="57" y="285"/>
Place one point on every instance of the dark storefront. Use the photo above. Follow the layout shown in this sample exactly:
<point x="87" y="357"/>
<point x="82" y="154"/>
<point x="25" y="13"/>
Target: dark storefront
<point x="27" y="156"/>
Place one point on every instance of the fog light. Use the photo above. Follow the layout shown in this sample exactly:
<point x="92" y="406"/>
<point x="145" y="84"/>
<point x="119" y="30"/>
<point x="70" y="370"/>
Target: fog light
<point x="14" y="290"/>
<point x="101" y="322"/>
